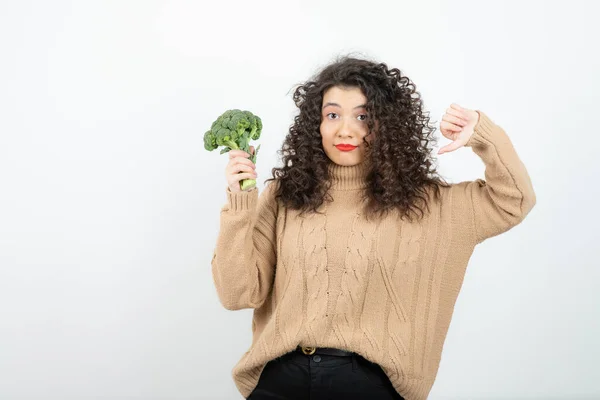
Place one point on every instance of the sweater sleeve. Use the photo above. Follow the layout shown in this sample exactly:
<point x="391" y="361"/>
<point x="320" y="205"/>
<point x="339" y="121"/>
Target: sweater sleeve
<point x="506" y="196"/>
<point x="243" y="263"/>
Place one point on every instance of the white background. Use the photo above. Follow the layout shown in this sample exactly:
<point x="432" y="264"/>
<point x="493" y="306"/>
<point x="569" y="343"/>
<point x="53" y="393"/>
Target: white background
<point x="109" y="204"/>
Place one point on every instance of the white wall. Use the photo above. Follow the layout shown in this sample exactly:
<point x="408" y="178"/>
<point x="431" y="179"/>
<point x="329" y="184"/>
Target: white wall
<point x="109" y="203"/>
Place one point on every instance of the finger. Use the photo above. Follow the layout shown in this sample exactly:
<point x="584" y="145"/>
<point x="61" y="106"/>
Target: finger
<point x="456" y="120"/>
<point x="460" y="112"/>
<point x="242" y="160"/>
<point x="451" y="147"/>
<point x="252" y="150"/>
<point x="450" y="126"/>
<point x="238" y="153"/>
<point x="457" y="114"/>
<point x="240" y="177"/>
<point x="240" y="168"/>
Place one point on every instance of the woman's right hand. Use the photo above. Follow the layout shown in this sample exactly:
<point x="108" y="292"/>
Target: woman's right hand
<point x="240" y="167"/>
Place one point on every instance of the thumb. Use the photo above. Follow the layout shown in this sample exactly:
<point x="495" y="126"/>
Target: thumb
<point x="252" y="150"/>
<point x="451" y="147"/>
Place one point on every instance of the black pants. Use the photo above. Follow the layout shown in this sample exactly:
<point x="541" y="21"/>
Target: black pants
<point x="296" y="376"/>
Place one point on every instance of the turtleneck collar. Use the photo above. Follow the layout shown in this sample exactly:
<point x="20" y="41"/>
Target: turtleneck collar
<point x="348" y="177"/>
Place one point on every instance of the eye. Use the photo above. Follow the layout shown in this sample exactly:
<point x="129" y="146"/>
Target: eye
<point x="363" y="115"/>
<point x="331" y="113"/>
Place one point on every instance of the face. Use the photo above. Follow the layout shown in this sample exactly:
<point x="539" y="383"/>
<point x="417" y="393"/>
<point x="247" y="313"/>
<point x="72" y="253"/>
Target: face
<point x="344" y="122"/>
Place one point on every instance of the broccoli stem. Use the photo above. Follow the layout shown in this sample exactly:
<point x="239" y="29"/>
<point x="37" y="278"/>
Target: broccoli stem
<point x="253" y="157"/>
<point x="247" y="184"/>
<point x="232" y="144"/>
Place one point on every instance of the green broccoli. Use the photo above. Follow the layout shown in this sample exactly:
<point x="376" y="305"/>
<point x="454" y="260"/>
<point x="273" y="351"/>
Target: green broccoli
<point x="233" y="130"/>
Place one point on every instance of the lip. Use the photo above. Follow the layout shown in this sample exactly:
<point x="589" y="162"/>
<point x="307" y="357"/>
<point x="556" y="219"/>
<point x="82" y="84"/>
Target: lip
<point x="345" y="147"/>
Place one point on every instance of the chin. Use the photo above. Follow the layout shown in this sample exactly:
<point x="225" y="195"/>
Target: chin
<point x="347" y="162"/>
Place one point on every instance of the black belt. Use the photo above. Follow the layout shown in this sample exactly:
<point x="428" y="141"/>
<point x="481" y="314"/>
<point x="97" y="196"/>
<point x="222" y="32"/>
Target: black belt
<point x="323" y="350"/>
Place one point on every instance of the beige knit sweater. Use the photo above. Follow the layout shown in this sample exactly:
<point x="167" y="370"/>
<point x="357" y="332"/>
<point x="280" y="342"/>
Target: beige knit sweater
<point x="385" y="289"/>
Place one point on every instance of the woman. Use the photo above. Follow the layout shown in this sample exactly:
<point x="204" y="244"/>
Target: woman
<point x="354" y="254"/>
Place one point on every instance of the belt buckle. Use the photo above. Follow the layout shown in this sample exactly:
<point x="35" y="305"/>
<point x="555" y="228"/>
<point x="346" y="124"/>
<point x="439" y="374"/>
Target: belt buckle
<point x="309" y="350"/>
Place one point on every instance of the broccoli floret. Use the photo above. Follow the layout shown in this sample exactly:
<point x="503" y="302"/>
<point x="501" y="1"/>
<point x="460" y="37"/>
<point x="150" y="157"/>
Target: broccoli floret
<point x="233" y="130"/>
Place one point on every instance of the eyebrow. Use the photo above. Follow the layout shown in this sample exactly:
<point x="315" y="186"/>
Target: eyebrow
<point x="337" y="105"/>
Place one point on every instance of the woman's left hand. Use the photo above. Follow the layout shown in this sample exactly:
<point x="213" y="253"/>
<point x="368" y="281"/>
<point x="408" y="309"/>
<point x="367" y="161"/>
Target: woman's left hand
<point x="457" y="125"/>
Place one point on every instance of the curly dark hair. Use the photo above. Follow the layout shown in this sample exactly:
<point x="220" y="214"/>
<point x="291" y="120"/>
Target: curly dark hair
<point x="401" y="164"/>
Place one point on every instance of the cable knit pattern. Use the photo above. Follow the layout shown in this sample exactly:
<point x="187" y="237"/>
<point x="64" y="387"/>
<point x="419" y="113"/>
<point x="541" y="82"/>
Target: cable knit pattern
<point x="384" y="288"/>
<point x="358" y="270"/>
<point x="313" y="253"/>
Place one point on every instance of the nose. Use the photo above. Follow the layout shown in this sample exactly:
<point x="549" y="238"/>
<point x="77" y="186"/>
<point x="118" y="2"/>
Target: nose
<point x="346" y="129"/>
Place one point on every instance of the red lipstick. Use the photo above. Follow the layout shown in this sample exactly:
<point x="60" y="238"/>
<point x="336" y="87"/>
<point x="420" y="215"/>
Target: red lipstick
<point x="345" y="147"/>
